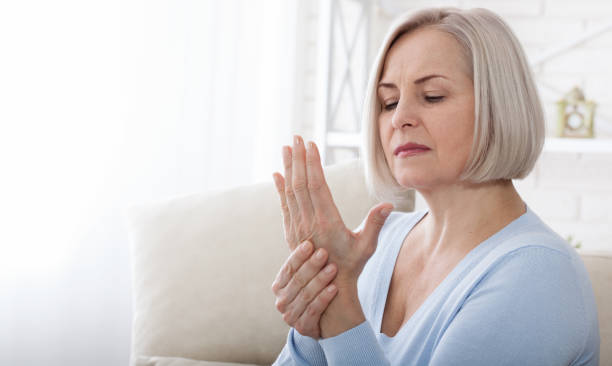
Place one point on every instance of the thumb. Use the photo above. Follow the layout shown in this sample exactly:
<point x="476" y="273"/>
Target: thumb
<point x="374" y="222"/>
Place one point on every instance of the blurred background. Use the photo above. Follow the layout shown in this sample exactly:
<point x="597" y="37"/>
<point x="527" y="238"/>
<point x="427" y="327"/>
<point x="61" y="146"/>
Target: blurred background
<point x="108" y="104"/>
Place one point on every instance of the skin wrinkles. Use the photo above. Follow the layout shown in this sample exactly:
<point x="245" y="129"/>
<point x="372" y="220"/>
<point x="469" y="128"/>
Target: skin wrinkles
<point x="427" y="97"/>
<point x="446" y="127"/>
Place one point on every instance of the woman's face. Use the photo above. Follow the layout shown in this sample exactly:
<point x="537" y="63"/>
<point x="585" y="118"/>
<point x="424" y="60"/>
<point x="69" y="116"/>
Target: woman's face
<point x="427" y="98"/>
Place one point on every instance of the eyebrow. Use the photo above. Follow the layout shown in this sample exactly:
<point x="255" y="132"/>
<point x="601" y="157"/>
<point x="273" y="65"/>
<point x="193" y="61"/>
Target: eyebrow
<point x="417" y="81"/>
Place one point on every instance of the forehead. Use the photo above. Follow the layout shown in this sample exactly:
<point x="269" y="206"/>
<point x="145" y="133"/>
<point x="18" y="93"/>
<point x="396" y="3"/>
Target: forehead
<point x="424" y="50"/>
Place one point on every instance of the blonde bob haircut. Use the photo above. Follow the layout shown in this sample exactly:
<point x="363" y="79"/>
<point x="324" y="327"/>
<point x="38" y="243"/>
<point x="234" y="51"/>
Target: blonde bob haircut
<point x="509" y="121"/>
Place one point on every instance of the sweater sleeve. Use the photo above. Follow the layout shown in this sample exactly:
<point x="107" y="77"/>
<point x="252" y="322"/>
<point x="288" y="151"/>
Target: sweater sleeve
<point x="356" y="346"/>
<point x="526" y="311"/>
<point x="300" y="351"/>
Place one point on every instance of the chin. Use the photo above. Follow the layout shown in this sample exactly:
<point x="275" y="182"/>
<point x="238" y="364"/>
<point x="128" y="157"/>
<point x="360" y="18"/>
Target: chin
<point x="415" y="181"/>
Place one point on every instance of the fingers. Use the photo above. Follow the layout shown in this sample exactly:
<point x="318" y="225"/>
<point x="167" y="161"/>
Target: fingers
<point x="279" y="182"/>
<point x="308" y="322"/>
<point x="294" y="209"/>
<point x="300" y="255"/>
<point x="374" y="222"/>
<point x="309" y="293"/>
<point x="300" y="280"/>
<point x="320" y="194"/>
<point x="300" y="186"/>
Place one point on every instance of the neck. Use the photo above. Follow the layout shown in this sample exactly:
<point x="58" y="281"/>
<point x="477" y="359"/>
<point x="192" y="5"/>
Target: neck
<point x="463" y="215"/>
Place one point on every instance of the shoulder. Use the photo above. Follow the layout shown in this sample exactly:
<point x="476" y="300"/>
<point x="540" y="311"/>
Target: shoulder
<point x="530" y="253"/>
<point x="530" y="239"/>
<point x="537" y="279"/>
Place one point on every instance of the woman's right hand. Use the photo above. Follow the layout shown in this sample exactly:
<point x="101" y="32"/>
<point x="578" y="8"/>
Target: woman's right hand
<point x="303" y="290"/>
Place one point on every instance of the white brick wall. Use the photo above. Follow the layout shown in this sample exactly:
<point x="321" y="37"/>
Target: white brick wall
<point x="571" y="191"/>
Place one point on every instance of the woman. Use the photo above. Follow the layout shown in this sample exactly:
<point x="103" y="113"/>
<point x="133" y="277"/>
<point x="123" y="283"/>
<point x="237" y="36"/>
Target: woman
<point x="478" y="278"/>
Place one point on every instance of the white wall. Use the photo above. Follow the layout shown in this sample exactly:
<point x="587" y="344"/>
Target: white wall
<point x="108" y="104"/>
<point x="64" y="278"/>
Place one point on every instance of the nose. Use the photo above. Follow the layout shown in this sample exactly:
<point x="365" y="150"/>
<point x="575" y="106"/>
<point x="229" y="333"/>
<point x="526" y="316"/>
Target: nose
<point x="404" y="116"/>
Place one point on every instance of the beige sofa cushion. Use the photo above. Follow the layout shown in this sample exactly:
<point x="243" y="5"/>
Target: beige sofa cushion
<point x="179" y="361"/>
<point x="599" y="266"/>
<point x="203" y="266"/>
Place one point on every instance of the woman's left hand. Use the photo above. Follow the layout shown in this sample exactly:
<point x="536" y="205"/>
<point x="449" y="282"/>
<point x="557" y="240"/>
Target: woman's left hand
<point x="309" y="213"/>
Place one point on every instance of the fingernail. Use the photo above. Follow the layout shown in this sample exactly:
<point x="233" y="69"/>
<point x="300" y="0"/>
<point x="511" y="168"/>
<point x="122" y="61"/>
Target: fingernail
<point x="331" y="288"/>
<point x="296" y="140"/>
<point x="320" y="254"/>
<point x="306" y="246"/>
<point x="329" y="269"/>
<point x="385" y="212"/>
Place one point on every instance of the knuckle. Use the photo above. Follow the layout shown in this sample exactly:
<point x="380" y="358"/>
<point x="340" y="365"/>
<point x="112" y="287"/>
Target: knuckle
<point x="298" y="281"/>
<point x="314" y="185"/>
<point x="288" y="270"/>
<point x="310" y="161"/>
<point x="281" y="304"/>
<point x="312" y="310"/>
<point x="306" y="295"/>
<point x="299" y="185"/>
<point x="288" y="318"/>
<point x="378" y="221"/>
<point x="289" y="192"/>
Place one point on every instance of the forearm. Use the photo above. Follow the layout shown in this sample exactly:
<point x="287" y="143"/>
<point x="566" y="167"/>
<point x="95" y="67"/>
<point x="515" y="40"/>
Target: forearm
<point x="343" y="313"/>
<point x="347" y="337"/>
<point x="300" y="351"/>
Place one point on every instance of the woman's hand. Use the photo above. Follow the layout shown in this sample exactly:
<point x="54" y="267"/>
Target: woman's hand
<point x="309" y="213"/>
<point x="302" y="291"/>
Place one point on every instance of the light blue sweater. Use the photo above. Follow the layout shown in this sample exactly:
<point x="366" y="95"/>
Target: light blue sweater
<point x="521" y="297"/>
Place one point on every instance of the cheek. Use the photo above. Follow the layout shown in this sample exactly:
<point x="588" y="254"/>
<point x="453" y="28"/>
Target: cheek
<point x="457" y="145"/>
<point x="384" y="132"/>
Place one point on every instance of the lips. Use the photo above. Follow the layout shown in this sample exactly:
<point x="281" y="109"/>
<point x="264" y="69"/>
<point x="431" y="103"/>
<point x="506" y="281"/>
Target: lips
<point x="411" y="147"/>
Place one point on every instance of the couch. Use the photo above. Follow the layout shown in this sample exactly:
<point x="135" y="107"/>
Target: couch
<point x="203" y="264"/>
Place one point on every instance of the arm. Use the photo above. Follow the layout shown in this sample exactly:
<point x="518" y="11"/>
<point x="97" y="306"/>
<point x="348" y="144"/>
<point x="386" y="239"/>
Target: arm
<point x="302" y="294"/>
<point x="353" y="343"/>
<point x="347" y="337"/>
<point x="300" y="350"/>
<point x="526" y="311"/>
<point x="309" y="213"/>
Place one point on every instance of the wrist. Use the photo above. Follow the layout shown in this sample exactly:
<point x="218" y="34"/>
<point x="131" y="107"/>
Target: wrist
<point x="347" y="282"/>
<point x="343" y="313"/>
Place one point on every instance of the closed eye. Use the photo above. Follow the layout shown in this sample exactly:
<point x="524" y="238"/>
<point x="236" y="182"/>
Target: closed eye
<point x="390" y="106"/>
<point x="434" y="99"/>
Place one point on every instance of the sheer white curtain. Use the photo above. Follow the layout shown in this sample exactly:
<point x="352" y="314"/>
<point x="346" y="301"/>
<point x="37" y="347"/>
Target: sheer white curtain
<point x="108" y="104"/>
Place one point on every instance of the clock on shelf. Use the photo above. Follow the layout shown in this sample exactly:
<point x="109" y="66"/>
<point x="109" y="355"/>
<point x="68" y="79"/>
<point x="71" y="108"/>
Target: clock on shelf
<point x="575" y="115"/>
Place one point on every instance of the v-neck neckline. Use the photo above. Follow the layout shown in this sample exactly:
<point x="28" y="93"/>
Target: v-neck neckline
<point x="385" y="282"/>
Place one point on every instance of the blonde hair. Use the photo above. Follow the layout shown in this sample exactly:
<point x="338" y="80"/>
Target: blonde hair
<point x="509" y="121"/>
